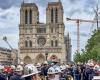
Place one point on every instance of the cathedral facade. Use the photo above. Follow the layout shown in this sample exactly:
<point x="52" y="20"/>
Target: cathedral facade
<point x="42" y="41"/>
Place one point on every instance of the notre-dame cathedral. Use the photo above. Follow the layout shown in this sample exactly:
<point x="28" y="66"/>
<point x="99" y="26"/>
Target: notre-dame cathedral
<point x="39" y="41"/>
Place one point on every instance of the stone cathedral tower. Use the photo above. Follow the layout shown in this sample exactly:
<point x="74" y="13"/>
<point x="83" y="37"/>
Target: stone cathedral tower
<point x="38" y="41"/>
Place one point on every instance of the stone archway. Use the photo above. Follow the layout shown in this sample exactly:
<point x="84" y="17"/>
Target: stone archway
<point x="40" y="58"/>
<point x="27" y="60"/>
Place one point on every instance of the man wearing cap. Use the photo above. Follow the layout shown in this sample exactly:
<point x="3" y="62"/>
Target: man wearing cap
<point x="88" y="72"/>
<point x="92" y="72"/>
<point x="31" y="73"/>
<point x="44" y="69"/>
<point x="18" y="73"/>
<point x="51" y="73"/>
<point x="57" y="73"/>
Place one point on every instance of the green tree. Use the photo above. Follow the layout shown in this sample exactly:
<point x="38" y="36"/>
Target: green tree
<point x="92" y="50"/>
<point x="93" y="41"/>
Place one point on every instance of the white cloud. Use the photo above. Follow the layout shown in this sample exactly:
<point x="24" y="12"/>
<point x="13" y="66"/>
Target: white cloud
<point x="9" y="17"/>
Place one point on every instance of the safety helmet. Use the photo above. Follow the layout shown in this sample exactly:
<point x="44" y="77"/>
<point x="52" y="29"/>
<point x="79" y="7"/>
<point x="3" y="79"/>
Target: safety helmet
<point x="78" y="63"/>
<point x="87" y="64"/>
<point x="38" y="65"/>
<point x="62" y="67"/>
<point x="51" y="70"/>
<point x="19" y="68"/>
<point x="1" y="67"/>
<point x="13" y="67"/>
<point x="67" y="66"/>
<point x="52" y="64"/>
<point x="29" y="70"/>
<point x="91" y="64"/>
<point x="45" y="62"/>
<point x="97" y="67"/>
<point x="21" y="63"/>
<point x="57" y="70"/>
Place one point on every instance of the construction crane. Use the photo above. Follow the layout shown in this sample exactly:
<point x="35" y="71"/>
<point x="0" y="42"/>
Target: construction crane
<point x="78" y="30"/>
<point x="96" y="11"/>
<point x="5" y="39"/>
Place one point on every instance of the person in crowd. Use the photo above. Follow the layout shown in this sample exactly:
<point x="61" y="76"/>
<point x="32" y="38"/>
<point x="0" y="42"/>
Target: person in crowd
<point x="97" y="68"/>
<point x="69" y="72"/>
<point x="38" y="65"/>
<point x="77" y="72"/>
<point x="51" y="74"/>
<point x="2" y="76"/>
<point x="92" y="71"/>
<point x="57" y="73"/>
<point x="18" y="73"/>
<point x="31" y="73"/>
<point x="89" y="72"/>
<point x="11" y="72"/>
<point x="44" y="70"/>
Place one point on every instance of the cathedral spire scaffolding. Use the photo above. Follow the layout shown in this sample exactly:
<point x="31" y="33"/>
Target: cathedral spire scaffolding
<point x="23" y="1"/>
<point x="59" y="0"/>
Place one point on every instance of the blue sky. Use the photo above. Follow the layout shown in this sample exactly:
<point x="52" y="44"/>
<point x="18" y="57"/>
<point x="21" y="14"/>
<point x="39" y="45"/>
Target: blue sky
<point x="83" y="9"/>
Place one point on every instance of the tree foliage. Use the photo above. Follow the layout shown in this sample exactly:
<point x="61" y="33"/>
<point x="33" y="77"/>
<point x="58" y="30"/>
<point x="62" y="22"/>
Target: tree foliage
<point x="92" y="50"/>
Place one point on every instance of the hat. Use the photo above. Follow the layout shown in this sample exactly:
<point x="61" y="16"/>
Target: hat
<point x="45" y="62"/>
<point x="30" y="70"/>
<point x="57" y="70"/>
<point x="38" y="65"/>
<point x="51" y="70"/>
<point x="62" y="67"/>
<point x="19" y="68"/>
<point x="13" y="67"/>
<point x="91" y="64"/>
<point x="21" y="63"/>
<point x="1" y="67"/>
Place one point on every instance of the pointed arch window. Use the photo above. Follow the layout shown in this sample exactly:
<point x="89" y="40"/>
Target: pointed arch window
<point x="56" y="15"/>
<point x="26" y="17"/>
<point x="30" y="43"/>
<point x="52" y="15"/>
<point x="51" y="30"/>
<point x="52" y="43"/>
<point x="26" y="43"/>
<point x="30" y="16"/>
<point x="56" y="43"/>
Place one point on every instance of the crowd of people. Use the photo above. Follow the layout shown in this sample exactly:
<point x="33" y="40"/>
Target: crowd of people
<point x="52" y="71"/>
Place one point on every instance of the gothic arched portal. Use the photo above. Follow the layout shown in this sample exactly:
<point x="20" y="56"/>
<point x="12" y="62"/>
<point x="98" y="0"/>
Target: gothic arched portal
<point x="40" y="58"/>
<point x="27" y="60"/>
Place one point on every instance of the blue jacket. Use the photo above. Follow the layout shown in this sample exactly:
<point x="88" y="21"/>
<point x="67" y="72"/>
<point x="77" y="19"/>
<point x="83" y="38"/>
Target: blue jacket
<point x="16" y="77"/>
<point x="88" y="74"/>
<point x="2" y="77"/>
<point x="44" y="71"/>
